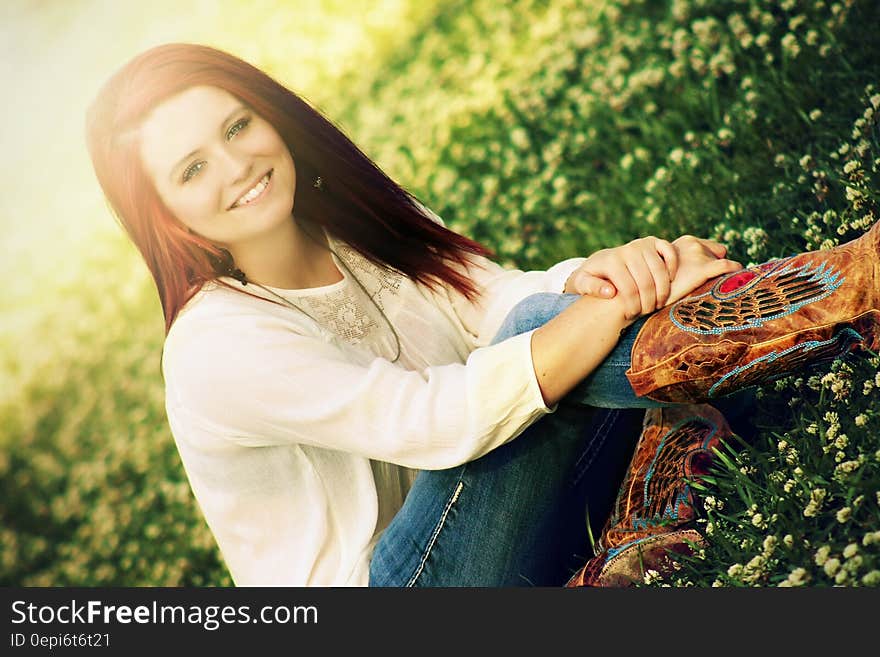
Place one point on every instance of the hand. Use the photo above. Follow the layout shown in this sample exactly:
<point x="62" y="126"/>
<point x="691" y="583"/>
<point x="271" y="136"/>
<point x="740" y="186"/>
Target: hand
<point x="699" y="260"/>
<point x="642" y="272"/>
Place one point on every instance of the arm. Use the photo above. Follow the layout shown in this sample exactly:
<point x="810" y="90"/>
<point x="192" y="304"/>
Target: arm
<point x="257" y="383"/>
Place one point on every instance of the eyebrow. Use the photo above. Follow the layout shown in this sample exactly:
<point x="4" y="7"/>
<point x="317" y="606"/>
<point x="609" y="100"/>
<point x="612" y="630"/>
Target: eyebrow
<point x="182" y="160"/>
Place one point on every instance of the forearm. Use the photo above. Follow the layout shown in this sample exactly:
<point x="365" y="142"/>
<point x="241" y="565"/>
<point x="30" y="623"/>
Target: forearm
<point x="574" y="343"/>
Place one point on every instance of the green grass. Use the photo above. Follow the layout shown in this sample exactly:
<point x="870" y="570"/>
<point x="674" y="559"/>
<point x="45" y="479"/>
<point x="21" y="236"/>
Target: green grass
<point x="545" y="130"/>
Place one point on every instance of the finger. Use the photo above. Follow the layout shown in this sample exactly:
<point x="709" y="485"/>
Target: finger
<point x="719" y="250"/>
<point x="660" y="275"/>
<point x="641" y="274"/>
<point x="594" y="286"/>
<point x="670" y="256"/>
<point x="723" y="266"/>
<point x="627" y="289"/>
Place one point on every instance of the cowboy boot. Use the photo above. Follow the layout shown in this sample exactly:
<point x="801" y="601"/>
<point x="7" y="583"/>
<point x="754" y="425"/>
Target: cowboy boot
<point x="761" y="323"/>
<point x="655" y="507"/>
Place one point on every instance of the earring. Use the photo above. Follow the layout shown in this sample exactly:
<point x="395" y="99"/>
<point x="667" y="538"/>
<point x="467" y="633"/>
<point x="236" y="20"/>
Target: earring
<point x="318" y="183"/>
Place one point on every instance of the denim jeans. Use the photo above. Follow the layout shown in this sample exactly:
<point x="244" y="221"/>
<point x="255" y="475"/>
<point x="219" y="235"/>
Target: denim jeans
<point x="519" y="515"/>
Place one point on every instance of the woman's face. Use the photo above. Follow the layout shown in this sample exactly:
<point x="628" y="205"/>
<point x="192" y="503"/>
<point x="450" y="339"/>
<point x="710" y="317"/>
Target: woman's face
<point x="219" y="167"/>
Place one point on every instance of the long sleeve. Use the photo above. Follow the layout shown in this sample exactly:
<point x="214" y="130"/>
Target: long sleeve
<point x="500" y="290"/>
<point x="255" y="381"/>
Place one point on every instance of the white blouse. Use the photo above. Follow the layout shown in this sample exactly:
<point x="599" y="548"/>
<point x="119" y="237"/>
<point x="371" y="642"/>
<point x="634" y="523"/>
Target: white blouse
<point x="301" y="439"/>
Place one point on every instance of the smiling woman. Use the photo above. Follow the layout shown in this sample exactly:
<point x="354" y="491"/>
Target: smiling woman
<point x="358" y="394"/>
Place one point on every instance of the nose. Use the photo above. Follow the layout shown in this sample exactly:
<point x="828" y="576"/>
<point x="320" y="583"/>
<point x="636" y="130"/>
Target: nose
<point x="237" y="166"/>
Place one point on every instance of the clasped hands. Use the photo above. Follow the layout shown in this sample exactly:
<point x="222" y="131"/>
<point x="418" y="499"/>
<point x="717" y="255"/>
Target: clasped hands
<point x="650" y="273"/>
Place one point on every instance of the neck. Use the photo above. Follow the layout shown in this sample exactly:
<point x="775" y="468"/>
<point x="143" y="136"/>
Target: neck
<point x="286" y="258"/>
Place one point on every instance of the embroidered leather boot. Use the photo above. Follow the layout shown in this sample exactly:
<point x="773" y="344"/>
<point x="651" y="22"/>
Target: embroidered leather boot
<point x="652" y="518"/>
<point x="762" y="323"/>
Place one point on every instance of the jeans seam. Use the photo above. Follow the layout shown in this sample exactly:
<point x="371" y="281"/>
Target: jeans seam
<point x="436" y="532"/>
<point x="599" y="438"/>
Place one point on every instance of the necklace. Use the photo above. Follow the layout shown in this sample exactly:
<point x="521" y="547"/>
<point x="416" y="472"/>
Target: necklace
<point x="243" y="279"/>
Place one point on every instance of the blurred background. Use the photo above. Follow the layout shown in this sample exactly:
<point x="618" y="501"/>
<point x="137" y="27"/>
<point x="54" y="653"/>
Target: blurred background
<point x="545" y="129"/>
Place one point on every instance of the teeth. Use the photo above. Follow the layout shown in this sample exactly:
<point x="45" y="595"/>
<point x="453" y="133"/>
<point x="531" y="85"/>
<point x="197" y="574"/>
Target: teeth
<point x="255" y="191"/>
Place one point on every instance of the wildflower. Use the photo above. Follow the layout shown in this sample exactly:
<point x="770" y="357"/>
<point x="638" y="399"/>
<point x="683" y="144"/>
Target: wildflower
<point x="797" y="577"/>
<point x="850" y="550"/>
<point x="718" y="584"/>
<point x="841" y="577"/>
<point x="815" y="115"/>
<point x="831" y="567"/>
<point x="847" y="467"/>
<point x="842" y="441"/>
<point x="789" y="485"/>
<point x="811" y="38"/>
<point x="676" y="155"/>
<point x="844" y="514"/>
<point x="788" y="540"/>
<point x="790" y="45"/>
<point x="872" y="578"/>
<point x="652" y="576"/>
<point x="758" y="521"/>
<point x="770" y="543"/>
<point x="817" y="497"/>
<point x="870" y="538"/>
<point x="822" y="555"/>
<point x="735" y="570"/>
<point x="806" y="162"/>
<point x="762" y="40"/>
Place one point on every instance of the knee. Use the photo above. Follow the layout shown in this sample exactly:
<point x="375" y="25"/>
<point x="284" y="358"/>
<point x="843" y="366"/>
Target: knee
<point x="537" y="309"/>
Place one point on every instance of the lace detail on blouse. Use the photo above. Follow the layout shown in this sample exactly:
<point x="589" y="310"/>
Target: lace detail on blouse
<point x="350" y="314"/>
<point x="340" y="312"/>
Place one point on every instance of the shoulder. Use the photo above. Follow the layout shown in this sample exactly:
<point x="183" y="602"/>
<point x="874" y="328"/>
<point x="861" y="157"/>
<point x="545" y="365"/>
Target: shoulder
<point x="222" y="322"/>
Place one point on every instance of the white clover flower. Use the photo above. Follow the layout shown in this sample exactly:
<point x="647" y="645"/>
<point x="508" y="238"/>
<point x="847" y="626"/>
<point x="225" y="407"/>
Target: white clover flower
<point x="652" y="576"/>
<point x="797" y="577"/>
<point x="847" y="467"/>
<point x="872" y="578"/>
<point x="790" y="45"/>
<point x="817" y="497"/>
<point x="758" y="521"/>
<point x="831" y="567"/>
<point x="735" y="570"/>
<point x="796" y="22"/>
<point x="770" y="543"/>
<point x="844" y="515"/>
<point x="822" y="555"/>
<point x="841" y="441"/>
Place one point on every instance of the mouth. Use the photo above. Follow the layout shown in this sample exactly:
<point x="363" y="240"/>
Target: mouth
<point x="256" y="192"/>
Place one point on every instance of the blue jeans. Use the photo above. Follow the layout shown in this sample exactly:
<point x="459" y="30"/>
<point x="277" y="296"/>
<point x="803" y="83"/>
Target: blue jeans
<point x="518" y="516"/>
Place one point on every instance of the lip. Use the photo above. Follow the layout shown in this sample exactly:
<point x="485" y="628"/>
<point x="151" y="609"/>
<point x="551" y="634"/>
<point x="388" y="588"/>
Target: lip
<point x="250" y="187"/>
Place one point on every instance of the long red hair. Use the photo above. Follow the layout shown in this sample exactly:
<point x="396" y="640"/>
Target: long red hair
<point x="357" y="202"/>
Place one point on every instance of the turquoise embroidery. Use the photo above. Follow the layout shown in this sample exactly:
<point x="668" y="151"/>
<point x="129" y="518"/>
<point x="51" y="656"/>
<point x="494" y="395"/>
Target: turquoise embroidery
<point x="809" y="345"/>
<point x="830" y="281"/>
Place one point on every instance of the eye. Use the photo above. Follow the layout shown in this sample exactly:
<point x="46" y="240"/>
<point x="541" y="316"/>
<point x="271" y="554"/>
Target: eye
<point x="192" y="170"/>
<point x="237" y="127"/>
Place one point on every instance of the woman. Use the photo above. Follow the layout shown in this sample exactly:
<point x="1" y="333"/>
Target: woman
<point x="358" y="395"/>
